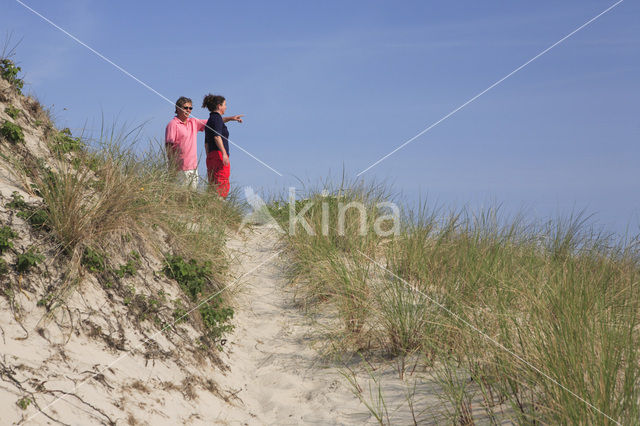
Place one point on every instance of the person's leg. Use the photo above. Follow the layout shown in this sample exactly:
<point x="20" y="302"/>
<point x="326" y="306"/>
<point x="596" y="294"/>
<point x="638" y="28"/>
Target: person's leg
<point x="221" y="178"/>
<point x="212" y="164"/>
<point x="192" y="176"/>
<point x="218" y="173"/>
<point x="188" y="179"/>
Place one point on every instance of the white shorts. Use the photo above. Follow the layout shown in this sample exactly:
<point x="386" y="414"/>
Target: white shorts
<point x="188" y="178"/>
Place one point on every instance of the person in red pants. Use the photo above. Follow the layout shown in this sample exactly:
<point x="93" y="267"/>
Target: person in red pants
<point x="216" y="142"/>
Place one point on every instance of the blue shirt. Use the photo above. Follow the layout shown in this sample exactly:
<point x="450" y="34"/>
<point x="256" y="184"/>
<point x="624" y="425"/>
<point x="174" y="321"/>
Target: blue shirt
<point x="216" y="123"/>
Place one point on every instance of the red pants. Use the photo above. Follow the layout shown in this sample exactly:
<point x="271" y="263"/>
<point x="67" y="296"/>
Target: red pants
<point x="218" y="173"/>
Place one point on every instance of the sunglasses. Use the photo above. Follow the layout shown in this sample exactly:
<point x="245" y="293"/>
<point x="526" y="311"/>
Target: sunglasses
<point x="189" y="108"/>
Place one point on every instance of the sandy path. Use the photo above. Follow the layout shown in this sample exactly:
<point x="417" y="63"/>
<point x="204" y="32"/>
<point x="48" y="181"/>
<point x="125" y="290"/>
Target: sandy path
<point x="280" y="379"/>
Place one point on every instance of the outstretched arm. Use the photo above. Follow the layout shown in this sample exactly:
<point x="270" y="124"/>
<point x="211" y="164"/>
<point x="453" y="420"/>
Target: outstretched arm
<point x="237" y="118"/>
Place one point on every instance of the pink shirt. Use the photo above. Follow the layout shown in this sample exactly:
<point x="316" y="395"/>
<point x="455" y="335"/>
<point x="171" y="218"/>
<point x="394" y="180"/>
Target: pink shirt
<point x="182" y="139"/>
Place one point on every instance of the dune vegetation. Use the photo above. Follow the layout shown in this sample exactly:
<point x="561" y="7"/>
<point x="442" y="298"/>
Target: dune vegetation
<point x="537" y="321"/>
<point x="89" y="197"/>
<point x="532" y="322"/>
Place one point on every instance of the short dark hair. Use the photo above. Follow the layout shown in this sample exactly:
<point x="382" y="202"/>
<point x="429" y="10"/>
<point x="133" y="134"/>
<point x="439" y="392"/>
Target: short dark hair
<point x="211" y="102"/>
<point x="181" y="101"/>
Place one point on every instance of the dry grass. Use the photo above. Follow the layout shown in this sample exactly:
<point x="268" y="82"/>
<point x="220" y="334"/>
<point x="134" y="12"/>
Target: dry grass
<point x="544" y="317"/>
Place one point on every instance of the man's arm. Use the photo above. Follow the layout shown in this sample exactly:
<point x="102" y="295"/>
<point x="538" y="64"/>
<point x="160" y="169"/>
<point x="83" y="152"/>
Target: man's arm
<point x="237" y="118"/>
<point x="170" y="144"/>
<point x="169" y="135"/>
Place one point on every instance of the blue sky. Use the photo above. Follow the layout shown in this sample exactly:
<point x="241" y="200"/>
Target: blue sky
<point x="332" y="85"/>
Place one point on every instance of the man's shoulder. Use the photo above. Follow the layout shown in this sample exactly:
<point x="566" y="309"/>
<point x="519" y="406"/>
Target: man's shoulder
<point x="195" y="121"/>
<point x="174" y="121"/>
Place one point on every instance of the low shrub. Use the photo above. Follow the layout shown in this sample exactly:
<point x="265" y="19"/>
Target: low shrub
<point x="195" y="280"/>
<point x="17" y="202"/>
<point x="12" y="111"/>
<point x="36" y="216"/>
<point x="28" y="260"/>
<point x="63" y="142"/>
<point x="130" y="268"/>
<point x="6" y="235"/>
<point x="4" y="267"/>
<point x="93" y="260"/>
<point x="12" y="132"/>
<point x="9" y="71"/>
<point x="215" y="318"/>
<point x="192" y="276"/>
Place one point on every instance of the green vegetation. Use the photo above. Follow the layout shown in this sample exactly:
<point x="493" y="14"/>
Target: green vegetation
<point x="196" y="281"/>
<point x="192" y="276"/>
<point x="9" y="71"/>
<point x="130" y="268"/>
<point x="106" y="196"/>
<point x="46" y="300"/>
<point x="27" y="260"/>
<point x="23" y="403"/>
<point x="6" y="235"/>
<point x="4" y="267"/>
<point x="17" y="202"/>
<point x="12" y="132"/>
<point x="216" y="317"/>
<point x="180" y="314"/>
<point x="93" y="260"/>
<point x="12" y="111"/>
<point x="36" y="216"/>
<point x="497" y="307"/>
<point x="63" y="142"/>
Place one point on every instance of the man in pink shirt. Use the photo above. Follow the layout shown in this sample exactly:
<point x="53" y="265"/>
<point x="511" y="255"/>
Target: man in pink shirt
<point x="181" y="142"/>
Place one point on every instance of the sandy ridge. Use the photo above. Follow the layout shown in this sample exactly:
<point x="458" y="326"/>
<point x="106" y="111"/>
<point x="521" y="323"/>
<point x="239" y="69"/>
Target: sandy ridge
<point x="279" y="378"/>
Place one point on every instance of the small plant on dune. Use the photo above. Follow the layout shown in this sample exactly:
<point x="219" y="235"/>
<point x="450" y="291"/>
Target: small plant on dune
<point x="131" y="267"/>
<point x="27" y="260"/>
<point x="216" y="317"/>
<point x="23" y="403"/>
<point x="36" y="216"/>
<point x="17" y="201"/>
<point x="9" y="71"/>
<point x="180" y="314"/>
<point x="46" y="300"/>
<point x="12" y="132"/>
<point x="6" y="235"/>
<point x="12" y="111"/>
<point x="195" y="279"/>
<point x="145" y="307"/>
<point x="192" y="276"/>
<point x="63" y="142"/>
<point x="93" y="260"/>
<point x="4" y="267"/>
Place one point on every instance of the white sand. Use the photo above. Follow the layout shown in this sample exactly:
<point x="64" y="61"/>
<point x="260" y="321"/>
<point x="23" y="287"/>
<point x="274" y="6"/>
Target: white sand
<point x="280" y="378"/>
<point x="275" y="375"/>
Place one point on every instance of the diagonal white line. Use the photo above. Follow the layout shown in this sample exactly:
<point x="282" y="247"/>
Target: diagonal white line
<point x="490" y="87"/>
<point x="128" y="74"/>
<point x="490" y="339"/>
<point x="125" y="355"/>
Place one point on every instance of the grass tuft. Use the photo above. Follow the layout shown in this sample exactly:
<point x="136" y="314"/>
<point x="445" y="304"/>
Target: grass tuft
<point x="562" y="296"/>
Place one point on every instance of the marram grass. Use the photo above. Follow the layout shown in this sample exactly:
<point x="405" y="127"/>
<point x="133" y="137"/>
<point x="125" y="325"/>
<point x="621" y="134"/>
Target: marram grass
<point x="542" y="318"/>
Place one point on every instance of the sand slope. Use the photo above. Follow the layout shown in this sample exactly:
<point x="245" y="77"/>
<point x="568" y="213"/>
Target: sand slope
<point x="279" y="378"/>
